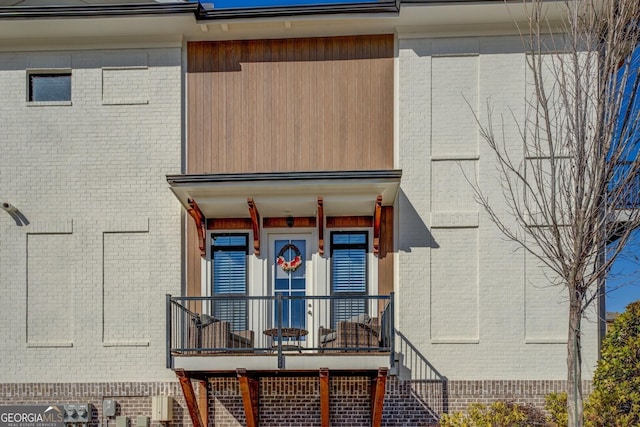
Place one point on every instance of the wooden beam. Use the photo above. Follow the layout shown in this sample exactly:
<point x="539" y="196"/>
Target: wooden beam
<point x="190" y="398"/>
<point x="229" y="223"/>
<point x="281" y="222"/>
<point x="320" y="226"/>
<point x="377" y="397"/>
<point x="255" y="225"/>
<point x="203" y="401"/>
<point x="249" y="392"/>
<point x="377" y="215"/>
<point x="198" y="218"/>
<point x="324" y="398"/>
<point x="349" y="221"/>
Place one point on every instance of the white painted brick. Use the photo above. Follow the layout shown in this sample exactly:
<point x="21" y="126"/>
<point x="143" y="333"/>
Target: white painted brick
<point x="92" y="178"/>
<point x="506" y="314"/>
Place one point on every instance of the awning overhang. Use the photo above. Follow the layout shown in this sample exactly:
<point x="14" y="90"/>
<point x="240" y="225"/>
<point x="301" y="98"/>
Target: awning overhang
<point x="284" y="194"/>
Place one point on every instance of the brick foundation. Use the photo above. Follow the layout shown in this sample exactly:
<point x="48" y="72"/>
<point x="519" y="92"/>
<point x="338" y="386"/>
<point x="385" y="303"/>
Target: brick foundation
<point x="461" y="393"/>
<point x="290" y="401"/>
<point x="132" y="399"/>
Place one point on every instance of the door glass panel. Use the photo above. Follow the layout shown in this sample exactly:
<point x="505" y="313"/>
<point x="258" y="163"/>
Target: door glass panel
<point x="290" y="281"/>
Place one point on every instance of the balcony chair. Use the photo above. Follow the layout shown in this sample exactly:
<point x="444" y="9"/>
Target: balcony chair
<point x="216" y="335"/>
<point x="359" y="333"/>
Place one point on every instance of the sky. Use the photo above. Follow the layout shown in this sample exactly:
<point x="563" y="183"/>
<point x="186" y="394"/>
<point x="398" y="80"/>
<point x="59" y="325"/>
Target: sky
<point x="623" y="281"/>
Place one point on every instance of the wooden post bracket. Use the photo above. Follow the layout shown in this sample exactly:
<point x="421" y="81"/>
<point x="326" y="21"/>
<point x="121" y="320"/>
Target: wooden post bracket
<point x="378" y="385"/>
<point x="203" y="401"/>
<point x="255" y="225"/>
<point x="249" y="391"/>
<point x="325" y="412"/>
<point x="200" y="221"/>
<point x="377" y="217"/>
<point x="190" y="398"/>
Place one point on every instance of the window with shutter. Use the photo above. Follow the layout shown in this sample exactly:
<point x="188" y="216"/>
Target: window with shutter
<point x="348" y="273"/>
<point x="229" y="273"/>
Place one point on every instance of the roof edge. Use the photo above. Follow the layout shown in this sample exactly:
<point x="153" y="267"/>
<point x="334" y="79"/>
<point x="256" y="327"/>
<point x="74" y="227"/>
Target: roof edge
<point x="96" y="10"/>
<point x="387" y="6"/>
<point x="188" y="179"/>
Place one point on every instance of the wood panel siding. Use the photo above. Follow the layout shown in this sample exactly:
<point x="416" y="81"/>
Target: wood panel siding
<point x="284" y="105"/>
<point x="299" y="222"/>
<point x="229" y="224"/>
<point x="385" y="257"/>
<point x="349" y="221"/>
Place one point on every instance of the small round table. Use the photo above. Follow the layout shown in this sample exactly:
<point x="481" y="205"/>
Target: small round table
<point x="295" y="333"/>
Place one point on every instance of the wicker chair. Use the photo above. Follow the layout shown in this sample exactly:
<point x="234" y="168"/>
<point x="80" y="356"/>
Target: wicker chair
<point x="214" y="336"/>
<point x="218" y="335"/>
<point x="350" y="335"/>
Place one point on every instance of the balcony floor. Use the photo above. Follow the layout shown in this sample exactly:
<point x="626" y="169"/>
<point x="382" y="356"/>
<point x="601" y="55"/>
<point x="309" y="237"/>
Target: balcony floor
<point x="227" y="362"/>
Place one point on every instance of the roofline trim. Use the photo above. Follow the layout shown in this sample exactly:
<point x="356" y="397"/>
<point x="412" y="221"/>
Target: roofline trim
<point x="203" y="13"/>
<point x="190" y="179"/>
<point x="378" y="7"/>
<point x="96" y="10"/>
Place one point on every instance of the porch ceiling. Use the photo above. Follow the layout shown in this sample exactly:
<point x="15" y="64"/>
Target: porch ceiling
<point x="288" y="193"/>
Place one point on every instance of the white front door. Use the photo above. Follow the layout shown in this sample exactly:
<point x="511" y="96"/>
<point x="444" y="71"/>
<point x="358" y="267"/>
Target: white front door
<point x="290" y="261"/>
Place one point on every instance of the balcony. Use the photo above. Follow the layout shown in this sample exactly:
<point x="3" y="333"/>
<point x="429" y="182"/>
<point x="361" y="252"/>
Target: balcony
<point x="299" y="333"/>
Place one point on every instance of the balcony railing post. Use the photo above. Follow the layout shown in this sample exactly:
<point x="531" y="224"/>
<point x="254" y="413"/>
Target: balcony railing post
<point x="168" y="330"/>
<point x="279" y="320"/>
<point x="392" y="334"/>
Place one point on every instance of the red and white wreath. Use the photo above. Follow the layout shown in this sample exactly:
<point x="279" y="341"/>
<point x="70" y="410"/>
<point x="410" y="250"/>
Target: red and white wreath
<point x="291" y="265"/>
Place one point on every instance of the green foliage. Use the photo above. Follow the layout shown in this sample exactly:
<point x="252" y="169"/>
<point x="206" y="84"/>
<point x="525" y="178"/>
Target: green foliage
<point x="615" y="400"/>
<point x="498" y="414"/>
<point x="556" y="406"/>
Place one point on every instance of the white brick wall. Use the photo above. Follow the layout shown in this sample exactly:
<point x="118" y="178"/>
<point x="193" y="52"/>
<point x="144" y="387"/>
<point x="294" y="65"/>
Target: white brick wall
<point x="520" y="332"/>
<point x="85" y="300"/>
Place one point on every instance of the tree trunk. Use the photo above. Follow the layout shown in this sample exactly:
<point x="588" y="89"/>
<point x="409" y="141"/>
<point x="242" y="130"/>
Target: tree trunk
<point x="574" y="362"/>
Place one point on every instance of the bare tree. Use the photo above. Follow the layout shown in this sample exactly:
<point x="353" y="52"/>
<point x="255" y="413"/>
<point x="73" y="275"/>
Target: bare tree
<point x="575" y="188"/>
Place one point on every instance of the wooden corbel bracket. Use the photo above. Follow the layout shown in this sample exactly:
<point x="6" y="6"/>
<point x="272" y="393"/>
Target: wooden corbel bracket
<point x="320" y="224"/>
<point x="377" y="216"/>
<point x="255" y="225"/>
<point x="200" y="221"/>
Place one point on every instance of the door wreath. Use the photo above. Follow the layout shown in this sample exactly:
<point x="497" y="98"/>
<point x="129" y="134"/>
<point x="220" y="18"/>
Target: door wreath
<point x="291" y="265"/>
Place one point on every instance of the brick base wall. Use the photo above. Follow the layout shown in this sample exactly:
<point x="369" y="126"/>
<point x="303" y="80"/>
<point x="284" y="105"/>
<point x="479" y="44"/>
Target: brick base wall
<point x="290" y="401"/>
<point x="461" y="393"/>
<point x="132" y="399"/>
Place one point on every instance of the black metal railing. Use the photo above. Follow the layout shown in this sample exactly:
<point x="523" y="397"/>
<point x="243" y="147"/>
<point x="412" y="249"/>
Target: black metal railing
<point x="279" y="324"/>
<point x="426" y="385"/>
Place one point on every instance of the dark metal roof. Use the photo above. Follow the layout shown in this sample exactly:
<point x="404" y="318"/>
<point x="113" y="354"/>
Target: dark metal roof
<point x="96" y="10"/>
<point x="204" y="10"/>
<point x="189" y="179"/>
<point x="388" y="6"/>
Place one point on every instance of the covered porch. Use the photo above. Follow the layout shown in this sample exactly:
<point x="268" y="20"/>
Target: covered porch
<point x="287" y="274"/>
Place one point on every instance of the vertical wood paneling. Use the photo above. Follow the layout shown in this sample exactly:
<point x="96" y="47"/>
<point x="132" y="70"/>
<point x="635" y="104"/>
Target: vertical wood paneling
<point x="385" y="257"/>
<point x="290" y="105"/>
